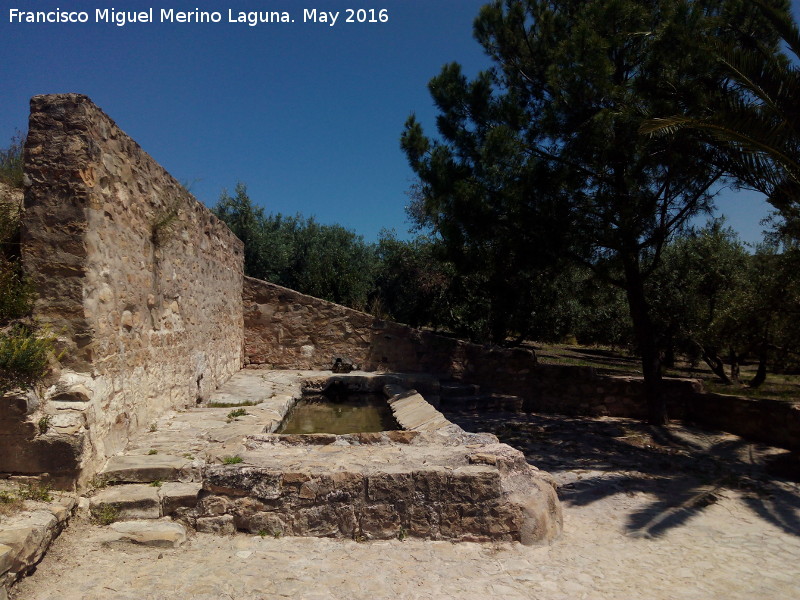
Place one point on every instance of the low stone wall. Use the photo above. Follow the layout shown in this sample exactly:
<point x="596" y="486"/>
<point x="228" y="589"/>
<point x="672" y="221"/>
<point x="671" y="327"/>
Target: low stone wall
<point x="581" y="391"/>
<point x="287" y="329"/>
<point x="772" y="422"/>
<point x="26" y="536"/>
<point x="140" y="282"/>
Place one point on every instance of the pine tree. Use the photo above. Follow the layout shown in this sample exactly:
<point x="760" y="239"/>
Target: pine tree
<point x="541" y="159"/>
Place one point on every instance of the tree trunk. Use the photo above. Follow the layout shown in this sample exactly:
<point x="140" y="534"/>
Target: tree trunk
<point x="761" y="373"/>
<point x="714" y="362"/>
<point x="669" y="353"/>
<point x="646" y="339"/>
<point x="734" y="359"/>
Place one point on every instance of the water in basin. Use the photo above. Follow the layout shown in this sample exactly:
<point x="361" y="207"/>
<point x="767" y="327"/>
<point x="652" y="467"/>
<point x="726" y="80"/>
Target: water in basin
<point x="355" y="413"/>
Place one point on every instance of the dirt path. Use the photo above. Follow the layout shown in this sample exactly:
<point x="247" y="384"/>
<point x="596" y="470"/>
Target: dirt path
<point x="649" y="514"/>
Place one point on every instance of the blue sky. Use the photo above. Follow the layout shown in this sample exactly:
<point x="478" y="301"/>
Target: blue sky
<point x="307" y="115"/>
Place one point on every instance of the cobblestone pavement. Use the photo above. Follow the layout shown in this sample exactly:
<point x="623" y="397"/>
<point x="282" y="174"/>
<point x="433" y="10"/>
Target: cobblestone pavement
<point x="648" y="514"/>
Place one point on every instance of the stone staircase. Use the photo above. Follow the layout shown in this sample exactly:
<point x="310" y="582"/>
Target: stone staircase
<point x="159" y="477"/>
<point x="457" y="396"/>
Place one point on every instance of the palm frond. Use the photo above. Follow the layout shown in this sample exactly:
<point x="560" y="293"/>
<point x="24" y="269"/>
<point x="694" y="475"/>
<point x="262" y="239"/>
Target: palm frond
<point x="783" y="24"/>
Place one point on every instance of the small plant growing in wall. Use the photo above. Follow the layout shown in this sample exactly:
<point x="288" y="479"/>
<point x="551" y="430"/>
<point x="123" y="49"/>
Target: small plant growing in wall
<point x="44" y="424"/>
<point x="232" y="460"/>
<point x="152" y="451"/>
<point x="164" y="223"/>
<point x="10" y="503"/>
<point x="98" y="483"/>
<point x="277" y="534"/>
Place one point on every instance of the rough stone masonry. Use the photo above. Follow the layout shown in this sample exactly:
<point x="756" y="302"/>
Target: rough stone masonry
<point x="139" y="281"/>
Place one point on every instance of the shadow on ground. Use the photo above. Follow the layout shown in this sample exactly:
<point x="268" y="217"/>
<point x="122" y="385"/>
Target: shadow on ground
<point x="681" y="469"/>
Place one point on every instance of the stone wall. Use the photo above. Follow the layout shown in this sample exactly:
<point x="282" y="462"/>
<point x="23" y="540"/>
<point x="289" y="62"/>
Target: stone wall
<point x="139" y="281"/>
<point x="773" y="422"/>
<point x="285" y="329"/>
<point x="288" y="330"/>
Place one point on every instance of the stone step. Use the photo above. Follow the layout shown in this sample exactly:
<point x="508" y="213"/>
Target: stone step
<point x="145" y="468"/>
<point x="245" y="388"/>
<point x="455" y="389"/>
<point x="483" y="402"/>
<point x="25" y="536"/>
<point x="142" y="501"/>
<point x="160" y="534"/>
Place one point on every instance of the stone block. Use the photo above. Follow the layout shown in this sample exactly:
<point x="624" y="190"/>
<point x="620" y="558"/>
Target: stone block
<point x="58" y="455"/>
<point x="160" y="534"/>
<point x="6" y="558"/>
<point x="175" y="495"/>
<point x="122" y="502"/>
<point x="336" y="487"/>
<point x="28" y="535"/>
<point x="390" y="486"/>
<point x="263" y="523"/>
<point x="215" y="505"/>
<point x="130" y="468"/>
<point x="380" y="521"/>
<point x="432" y="483"/>
<point x="474" y="483"/>
<point x="243" y="480"/>
<point x="318" y="521"/>
<point x="423" y="520"/>
<point x="221" y="525"/>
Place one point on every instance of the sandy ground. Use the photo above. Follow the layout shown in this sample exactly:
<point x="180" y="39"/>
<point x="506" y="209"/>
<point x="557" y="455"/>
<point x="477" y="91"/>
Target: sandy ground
<point x="648" y="514"/>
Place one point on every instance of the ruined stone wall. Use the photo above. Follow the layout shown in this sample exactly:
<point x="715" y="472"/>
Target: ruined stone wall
<point x="285" y="329"/>
<point x="288" y="330"/>
<point x="140" y="282"/>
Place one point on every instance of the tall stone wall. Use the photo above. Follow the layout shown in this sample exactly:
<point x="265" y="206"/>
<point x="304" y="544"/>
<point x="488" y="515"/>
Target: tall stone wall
<point x="139" y="281"/>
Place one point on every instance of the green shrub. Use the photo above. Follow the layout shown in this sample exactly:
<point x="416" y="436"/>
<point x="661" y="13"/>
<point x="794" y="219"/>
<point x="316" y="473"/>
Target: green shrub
<point x="16" y="293"/>
<point x="232" y="460"/>
<point x="23" y="357"/>
<point x="11" y="162"/>
<point x="38" y="492"/>
<point x="105" y="514"/>
<point x="24" y="350"/>
<point x="239" y="412"/>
